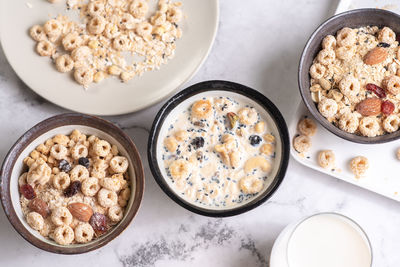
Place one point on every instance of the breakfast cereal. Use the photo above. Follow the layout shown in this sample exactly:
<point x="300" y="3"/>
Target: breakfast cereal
<point x="113" y="38"/>
<point x="75" y="188"/>
<point x="355" y="82"/>
<point x="219" y="152"/>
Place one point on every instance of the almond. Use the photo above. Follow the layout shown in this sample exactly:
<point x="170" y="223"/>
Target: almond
<point x="375" y="56"/>
<point x="39" y="206"/>
<point x="369" y="106"/>
<point x="81" y="211"/>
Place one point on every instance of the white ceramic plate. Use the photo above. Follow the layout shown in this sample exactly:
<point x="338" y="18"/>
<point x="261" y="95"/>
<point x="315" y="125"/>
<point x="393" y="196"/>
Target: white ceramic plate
<point x="111" y="97"/>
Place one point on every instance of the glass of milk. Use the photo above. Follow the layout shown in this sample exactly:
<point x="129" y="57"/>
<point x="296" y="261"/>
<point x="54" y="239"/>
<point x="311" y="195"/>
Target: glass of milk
<point x="324" y="239"/>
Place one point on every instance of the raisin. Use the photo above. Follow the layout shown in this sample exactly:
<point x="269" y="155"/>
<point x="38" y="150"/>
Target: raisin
<point x="255" y="140"/>
<point x="64" y="166"/>
<point x="98" y="222"/>
<point x="198" y="142"/>
<point x="387" y="107"/>
<point x="72" y="189"/>
<point x="27" y="191"/>
<point x="84" y="162"/>
<point x="383" y="45"/>
<point x="379" y="91"/>
<point x="39" y="206"/>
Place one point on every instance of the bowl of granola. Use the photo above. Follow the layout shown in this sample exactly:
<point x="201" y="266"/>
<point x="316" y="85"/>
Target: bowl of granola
<point x="72" y="183"/>
<point x="349" y="75"/>
<point x="219" y="148"/>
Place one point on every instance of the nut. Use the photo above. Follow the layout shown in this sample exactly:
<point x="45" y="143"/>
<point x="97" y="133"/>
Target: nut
<point x="233" y="118"/>
<point x="39" y="206"/>
<point x="369" y="106"/>
<point x="81" y="211"/>
<point x="375" y="56"/>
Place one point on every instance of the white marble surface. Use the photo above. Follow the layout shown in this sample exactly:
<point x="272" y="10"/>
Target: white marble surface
<point x="258" y="44"/>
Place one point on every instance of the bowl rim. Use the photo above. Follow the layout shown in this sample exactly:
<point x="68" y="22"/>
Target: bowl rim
<point x="30" y="136"/>
<point x="218" y="85"/>
<point x="311" y="106"/>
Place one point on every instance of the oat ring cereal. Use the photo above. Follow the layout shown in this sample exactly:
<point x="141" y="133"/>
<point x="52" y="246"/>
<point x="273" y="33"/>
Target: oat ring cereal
<point x="307" y="127"/>
<point x="302" y="143"/>
<point x="105" y="28"/>
<point x="359" y="166"/>
<point x="355" y="82"/>
<point x="61" y="195"/>
<point x="326" y="159"/>
<point x="218" y="151"/>
<point x="119" y="164"/>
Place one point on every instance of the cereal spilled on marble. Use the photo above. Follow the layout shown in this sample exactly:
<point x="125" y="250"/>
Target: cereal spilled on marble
<point x="218" y="153"/>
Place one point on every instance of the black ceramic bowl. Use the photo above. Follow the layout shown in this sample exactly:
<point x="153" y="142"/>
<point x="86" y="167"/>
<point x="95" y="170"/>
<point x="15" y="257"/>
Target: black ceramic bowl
<point x="179" y="102"/>
<point x="353" y="19"/>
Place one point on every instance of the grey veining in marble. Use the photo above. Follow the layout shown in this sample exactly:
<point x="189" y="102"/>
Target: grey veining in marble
<point x="258" y="44"/>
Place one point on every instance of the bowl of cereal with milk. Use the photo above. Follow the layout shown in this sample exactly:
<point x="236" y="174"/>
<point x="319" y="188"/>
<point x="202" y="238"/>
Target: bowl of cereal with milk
<point x="219" y="148"/>
<point x="349" y="75"/>
<point x="72" y="183"/>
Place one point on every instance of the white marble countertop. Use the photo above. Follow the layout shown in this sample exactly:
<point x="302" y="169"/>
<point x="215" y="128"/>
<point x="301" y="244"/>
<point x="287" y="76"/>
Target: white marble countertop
<point x="258" y="44"/>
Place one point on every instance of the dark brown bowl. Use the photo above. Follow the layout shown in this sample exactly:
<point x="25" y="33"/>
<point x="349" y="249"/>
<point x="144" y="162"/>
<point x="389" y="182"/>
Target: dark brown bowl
<point x="12" y="168"/>
<point x="353" y="19"/>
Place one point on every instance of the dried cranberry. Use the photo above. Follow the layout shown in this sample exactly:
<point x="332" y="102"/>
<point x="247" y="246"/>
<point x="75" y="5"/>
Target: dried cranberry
<point x="98" y="222"/>
<point x="39" y="206"/>
<point x="379" y="91"/>
<point x="198" y="142"/>
<point x="72" y="189"/>
<point x="387" y="107"/>
<point x="255" y="140"/>
<point x="64" y="165"/>
<point x="84" y="162"/>
<point x="27" y="191"/>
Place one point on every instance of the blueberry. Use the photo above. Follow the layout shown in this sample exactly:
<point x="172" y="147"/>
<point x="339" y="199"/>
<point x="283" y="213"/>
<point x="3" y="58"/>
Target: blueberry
<point x="84" y="162"/>
<point x="64" y="166"/>
<point x="198" y="142"/>
<point x="383" y="45"/>
<point x="255" y="140"/>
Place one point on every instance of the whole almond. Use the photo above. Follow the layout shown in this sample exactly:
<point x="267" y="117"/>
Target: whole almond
<point x="81" y="211"/>
<point x="369" y="106"/>
<point x="38" y="205"/>
<point x="375" y="56"/>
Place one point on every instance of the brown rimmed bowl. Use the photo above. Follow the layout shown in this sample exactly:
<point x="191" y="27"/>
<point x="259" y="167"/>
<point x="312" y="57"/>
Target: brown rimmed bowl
<point x="353" y="19"/>
<point x="64" y="124"/>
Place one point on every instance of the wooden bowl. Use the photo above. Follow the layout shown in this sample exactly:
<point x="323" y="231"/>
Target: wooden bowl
<point x="63" y="124"/>
<point x="353" y="19"/>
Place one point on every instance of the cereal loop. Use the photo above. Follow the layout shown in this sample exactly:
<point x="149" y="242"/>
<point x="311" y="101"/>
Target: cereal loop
<point x="329" y="42"/>
<point x="61" y="216"/>
<point x="349" y="122"/>
<point x="64" y="63"/>
<point x="307" y="127"/>
<point x="317" y="71"/>
<point x="327" y="107"/>
<point x="61" y="181"/>
<point x="369" y="126"/>
<point x="387" y="35"/>
<point x="107" y="198"/>
<point x="326" y="56"/>
<point x="349" y="86"/>
<point x="180" y="169"/>
<point x="302" y="143"/>
<point x="248" y="116"/>
<point x="79" y="173"/>
<point x="79" y="151"/>
<point x="84" y="233"/>
<point x="251" y="185"/>
<point x="35" y="220"/>
<point x="391" y="123"/>
<point x="58" y="151"/>
<point x="63" y="235"/>
<point x="90" y="186"/>
<point x="45" y="48"/>
<point x="37" y="33"/>
<point x="115" y="213"/>
<point x="39" y="173"/>
<point x="326" y="159"/>
<point x="202" y="109"/>
<point x="359" y="166"/>
<point x="101" y="148"/>
<point x="346" y="37"/>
